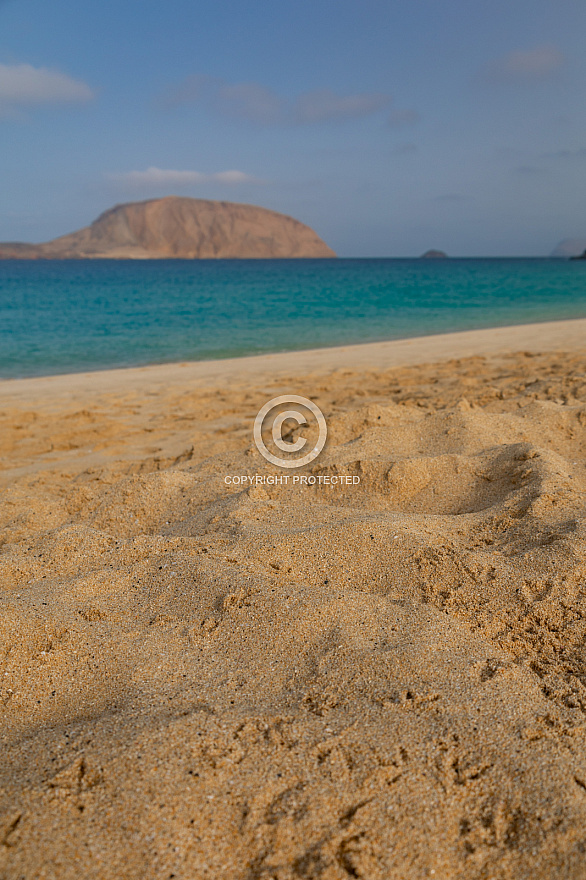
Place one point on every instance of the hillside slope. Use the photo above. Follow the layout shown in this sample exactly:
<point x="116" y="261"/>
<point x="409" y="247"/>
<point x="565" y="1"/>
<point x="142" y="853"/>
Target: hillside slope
<point x="182" y="228"/>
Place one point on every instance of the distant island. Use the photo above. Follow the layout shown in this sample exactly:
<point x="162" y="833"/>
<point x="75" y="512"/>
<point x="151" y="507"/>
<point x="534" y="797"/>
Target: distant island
<point x="579" y="257"/>
<point x="569" y="247"/>
<point x="434" y="255"/>
<point x="180" y="228"/>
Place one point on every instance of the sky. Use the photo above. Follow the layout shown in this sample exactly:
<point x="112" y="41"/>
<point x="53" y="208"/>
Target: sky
<point x="389" y="127"/>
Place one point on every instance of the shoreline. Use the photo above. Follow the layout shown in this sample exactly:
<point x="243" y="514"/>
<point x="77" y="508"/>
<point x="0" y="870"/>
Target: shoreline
<point x="564" y="335"/>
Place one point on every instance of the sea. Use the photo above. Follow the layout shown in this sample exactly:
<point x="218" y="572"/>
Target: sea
<point x="78" y="315"/>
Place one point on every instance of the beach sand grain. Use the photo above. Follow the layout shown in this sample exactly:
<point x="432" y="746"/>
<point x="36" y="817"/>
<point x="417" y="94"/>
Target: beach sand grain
<point x="379" y="680"/>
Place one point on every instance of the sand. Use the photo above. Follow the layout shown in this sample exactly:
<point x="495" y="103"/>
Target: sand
<point x="380" y="680"/>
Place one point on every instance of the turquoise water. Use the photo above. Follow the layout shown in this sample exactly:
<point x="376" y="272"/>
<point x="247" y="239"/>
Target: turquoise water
<point x="74" y="315"/>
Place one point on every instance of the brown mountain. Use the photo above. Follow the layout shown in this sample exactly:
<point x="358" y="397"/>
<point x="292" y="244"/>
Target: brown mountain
<point x="181" y="228"/>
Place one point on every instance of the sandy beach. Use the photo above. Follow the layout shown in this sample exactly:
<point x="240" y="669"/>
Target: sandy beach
<point x="383" y="679"/>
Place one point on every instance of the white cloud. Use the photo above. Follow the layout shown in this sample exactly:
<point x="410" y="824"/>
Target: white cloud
<point x="159" y="177"/>
<point x="254" y="102"/>
<point x="232" y="177"/>
<point x="527" y="65"/>
<point x="22" y="85"/>
<point x="165" y="177"/>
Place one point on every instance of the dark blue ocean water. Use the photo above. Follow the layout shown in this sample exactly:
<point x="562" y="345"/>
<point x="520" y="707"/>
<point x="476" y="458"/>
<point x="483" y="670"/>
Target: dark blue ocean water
<point x="73" y="315"/>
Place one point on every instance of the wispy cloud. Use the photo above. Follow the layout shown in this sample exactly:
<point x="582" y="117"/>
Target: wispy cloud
<point x="250" y="101"/>
<point x="253" y="102"/>
<point x="526" y="65"/>
<point x="164" y="177"/>
<point x="324" y="105"/>
<point x="23" y="86"/>
<point x="402" y="118"/>
<point x="530" y="171"/>
<point x="568" y="155"/>
<point x="246" y="100"/>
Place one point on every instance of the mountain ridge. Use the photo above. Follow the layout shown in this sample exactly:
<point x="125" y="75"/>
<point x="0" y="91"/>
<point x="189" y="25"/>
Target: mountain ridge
<point x="177" y="227"/>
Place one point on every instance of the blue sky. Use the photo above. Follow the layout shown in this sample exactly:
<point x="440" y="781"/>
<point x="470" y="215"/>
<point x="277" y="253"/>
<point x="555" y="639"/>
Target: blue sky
<point x="389" y="127"/>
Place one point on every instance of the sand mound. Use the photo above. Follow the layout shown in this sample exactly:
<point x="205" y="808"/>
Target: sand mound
<point x="201" y="680"/>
